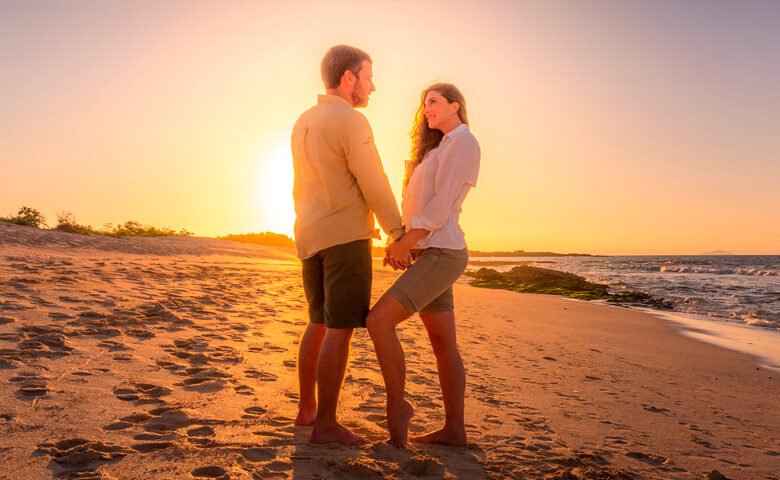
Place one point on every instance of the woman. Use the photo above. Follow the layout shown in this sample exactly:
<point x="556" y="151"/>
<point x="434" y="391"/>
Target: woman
<point x="443" y="168"/>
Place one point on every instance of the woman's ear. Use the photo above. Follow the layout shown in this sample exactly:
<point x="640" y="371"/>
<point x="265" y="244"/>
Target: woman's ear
<point x="457" y="107"/>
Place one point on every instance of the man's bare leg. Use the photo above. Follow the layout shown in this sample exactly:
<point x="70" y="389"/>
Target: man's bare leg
<point x="308" y="354"/>
<point x="452" y="378"/>
<point x="331" y="367"/>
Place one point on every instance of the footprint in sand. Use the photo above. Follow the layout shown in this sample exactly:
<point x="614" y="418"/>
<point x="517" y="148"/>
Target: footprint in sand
<point x="254" y="412"/>
<point x="357" y="468"/>
<point x="492" y="419"/>
<point x="279" y="421"/>
<point x="274" y="348"/>
<point x="81" y="455"/>
<point x="244" y="390"/>
<point x="258" y="454"/>
<point x="423" y="466"/>
<point x="210" y="472"/>
<point x="204" y="431"/>
<point x="148" y="447"/>
<point x="170" y="366"/>
<point x="114" y="346"/>
<point x="147" y="437"/>
<point x="141" y="393"/>
<point x="49" y="342"/>
<point x="30" y="385"/>
<point x="654" y="409"/>
<point x="648" y="458"/>
<point x="118" y="426"/>
<point x="137" y="418"/>
<point x="165" y="419"/>
<point x="262" y="376"/>
<point x="204" y="380"/>
<point x="201" y="436"/>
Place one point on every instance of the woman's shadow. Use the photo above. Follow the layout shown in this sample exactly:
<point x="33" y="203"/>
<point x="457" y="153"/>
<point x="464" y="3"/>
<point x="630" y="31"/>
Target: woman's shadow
<point x="379" y="460"/>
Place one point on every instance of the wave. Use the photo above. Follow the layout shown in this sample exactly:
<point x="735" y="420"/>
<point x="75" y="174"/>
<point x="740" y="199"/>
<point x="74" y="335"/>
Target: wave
<point x="754" y="272"/>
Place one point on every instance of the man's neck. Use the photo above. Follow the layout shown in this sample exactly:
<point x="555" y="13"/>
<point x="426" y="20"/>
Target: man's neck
<point x="340" y="93"/>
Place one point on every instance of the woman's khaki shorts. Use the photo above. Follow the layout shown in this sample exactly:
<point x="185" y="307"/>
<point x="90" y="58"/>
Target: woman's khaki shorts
<point x="426" y="286"/>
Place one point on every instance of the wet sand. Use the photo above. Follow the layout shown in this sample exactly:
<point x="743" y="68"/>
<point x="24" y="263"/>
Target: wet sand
<point x="174" y="358"/>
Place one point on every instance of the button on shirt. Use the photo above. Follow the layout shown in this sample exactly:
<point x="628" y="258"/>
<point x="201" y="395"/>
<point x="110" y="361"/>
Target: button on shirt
<point x="436" y="190"/>
<point x="339" y="181"/>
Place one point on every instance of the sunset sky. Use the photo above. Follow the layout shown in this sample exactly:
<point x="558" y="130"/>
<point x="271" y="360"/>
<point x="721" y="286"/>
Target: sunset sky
<point x="606" y="127"/>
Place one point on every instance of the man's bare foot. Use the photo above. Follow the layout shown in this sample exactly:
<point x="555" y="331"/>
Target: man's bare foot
<point x="454" y="437"/>
<point x="335" y="433"/>
<point x="306" y="415"/>
<point x="398" y="424"/>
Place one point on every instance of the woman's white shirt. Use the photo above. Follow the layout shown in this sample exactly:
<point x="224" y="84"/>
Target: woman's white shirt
<point x="436" y="190"/>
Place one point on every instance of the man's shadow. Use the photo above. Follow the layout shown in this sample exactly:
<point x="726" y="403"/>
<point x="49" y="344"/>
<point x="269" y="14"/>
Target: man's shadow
<point x="379" y="460"/>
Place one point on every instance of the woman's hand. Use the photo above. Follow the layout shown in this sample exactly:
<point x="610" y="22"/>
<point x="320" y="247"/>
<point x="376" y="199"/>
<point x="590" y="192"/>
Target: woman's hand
<point x="398" y="254"/>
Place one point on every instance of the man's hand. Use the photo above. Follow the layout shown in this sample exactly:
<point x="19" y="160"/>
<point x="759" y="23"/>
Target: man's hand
<point x="398" y="254"/>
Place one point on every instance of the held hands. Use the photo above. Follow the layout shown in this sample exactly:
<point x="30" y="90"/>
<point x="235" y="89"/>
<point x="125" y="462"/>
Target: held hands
<point x="398" y="254"/>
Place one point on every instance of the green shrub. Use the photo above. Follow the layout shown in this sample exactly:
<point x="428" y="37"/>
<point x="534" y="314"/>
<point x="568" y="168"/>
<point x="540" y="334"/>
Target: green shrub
<point x="132" y="228"/>
<point x="28" y="217"/>
<point x="66" y="222"/>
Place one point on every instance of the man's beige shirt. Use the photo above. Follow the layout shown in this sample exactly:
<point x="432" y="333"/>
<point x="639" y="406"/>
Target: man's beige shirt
<point x="339" y="180"/>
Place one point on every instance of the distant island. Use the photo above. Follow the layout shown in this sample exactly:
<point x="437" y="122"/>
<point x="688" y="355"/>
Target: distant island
<point x="380" y="252"/>
<point x="717" y="252"/>
<point x="523" y="253"/>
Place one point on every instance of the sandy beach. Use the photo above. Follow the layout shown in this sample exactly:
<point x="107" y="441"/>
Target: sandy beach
<point x="174" y="358"/>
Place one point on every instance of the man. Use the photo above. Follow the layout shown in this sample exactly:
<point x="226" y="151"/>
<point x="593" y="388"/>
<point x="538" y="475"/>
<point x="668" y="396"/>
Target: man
<point x="339" y="186"/>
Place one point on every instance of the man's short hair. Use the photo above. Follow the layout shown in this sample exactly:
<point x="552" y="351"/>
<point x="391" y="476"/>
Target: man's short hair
<point x="338" y="60"/>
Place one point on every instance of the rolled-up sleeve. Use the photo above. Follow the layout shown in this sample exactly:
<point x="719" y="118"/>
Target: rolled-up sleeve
<point x="364" y="163"/>
<point x="456" y="173"/>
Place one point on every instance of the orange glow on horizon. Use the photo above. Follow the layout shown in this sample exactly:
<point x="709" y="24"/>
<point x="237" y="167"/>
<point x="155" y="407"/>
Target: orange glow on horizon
<point x="183" y="119"/>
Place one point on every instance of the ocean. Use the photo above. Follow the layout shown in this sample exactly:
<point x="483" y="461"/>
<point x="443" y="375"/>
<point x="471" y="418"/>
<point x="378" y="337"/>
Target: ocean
<point x="724" y="288"/>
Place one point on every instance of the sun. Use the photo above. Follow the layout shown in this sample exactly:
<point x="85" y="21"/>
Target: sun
<point x="274" y="185"/>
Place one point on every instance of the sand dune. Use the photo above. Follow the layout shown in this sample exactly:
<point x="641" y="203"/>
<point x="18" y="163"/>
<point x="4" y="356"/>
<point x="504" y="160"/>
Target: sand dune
<point x="174" y="358"/>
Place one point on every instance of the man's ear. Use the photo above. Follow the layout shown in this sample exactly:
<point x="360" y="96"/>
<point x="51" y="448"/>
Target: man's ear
<point x="348" y="78"/>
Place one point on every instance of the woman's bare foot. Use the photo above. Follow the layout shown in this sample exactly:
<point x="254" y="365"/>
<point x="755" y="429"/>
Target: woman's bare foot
<point x="454" y="437"/>
<point x="335" y="433"/>
<point x="306" y="415"/>
<point x="398" y="424"/>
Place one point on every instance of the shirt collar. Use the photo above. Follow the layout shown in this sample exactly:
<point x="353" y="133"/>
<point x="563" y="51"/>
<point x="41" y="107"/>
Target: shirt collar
<point x="331" y="99"/>
<point x="460" y="129"/>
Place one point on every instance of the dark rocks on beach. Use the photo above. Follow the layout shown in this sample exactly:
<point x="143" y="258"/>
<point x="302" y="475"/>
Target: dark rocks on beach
<point x="716" y="475"/>
<point x="528" y="279"/>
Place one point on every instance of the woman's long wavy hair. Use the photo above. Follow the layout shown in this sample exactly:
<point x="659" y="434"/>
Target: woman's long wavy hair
<point x="425" y="139"/>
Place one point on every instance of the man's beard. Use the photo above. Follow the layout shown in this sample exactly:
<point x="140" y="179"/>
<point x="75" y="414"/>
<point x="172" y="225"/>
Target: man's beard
<point x="359" y="99"/>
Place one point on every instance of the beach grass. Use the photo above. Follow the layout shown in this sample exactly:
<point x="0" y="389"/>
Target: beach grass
<point x="67" y="222"/>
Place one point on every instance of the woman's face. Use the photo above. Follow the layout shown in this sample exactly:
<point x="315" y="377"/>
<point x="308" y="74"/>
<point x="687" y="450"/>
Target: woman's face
<point x="438" y="111"/>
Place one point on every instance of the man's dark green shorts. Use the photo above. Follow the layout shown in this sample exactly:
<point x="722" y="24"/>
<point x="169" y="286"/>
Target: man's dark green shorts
<point x="337" y="283"/>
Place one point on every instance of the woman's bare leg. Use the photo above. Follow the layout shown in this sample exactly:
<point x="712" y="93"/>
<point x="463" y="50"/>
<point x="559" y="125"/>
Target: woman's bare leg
<point x="452" y="378"/>
<point x="381" y="322"/>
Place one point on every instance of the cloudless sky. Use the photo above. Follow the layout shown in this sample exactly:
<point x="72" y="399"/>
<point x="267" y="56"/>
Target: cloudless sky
<point x="611" y="127"/>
